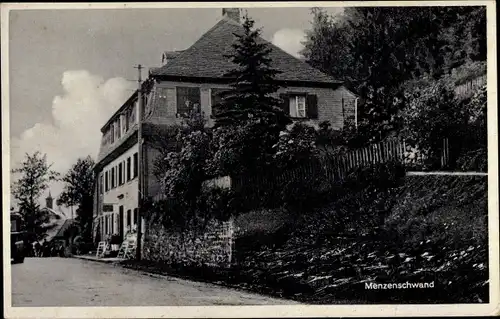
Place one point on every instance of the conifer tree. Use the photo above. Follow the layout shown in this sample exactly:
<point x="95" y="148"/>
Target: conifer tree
<point x="252" y="83"/>
<point x="249" y="119"/>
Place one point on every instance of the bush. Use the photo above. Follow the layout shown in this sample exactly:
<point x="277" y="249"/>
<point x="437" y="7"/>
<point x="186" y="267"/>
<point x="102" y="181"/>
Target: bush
<point x="433" y="114"/>
<point x="377" y="176"/>
<point x="474" y="161"/>
<point x="295" y="146"/>
<point x="218" y="203"/>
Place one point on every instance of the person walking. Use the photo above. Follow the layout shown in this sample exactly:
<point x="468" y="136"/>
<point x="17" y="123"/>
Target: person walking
<point x="38" y="249"/>
<point x="45" y="249"/>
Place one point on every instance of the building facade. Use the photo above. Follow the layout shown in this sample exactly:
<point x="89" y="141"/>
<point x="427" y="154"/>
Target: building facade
<point x="187" y="80"/>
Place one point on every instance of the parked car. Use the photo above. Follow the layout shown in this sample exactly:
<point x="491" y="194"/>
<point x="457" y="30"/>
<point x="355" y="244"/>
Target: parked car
<point x="17" y="238"/>
<point x="17" y="247"/>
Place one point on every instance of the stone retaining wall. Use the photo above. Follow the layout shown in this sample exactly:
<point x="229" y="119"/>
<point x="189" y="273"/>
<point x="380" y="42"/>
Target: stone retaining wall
<point x="213" y="247"/>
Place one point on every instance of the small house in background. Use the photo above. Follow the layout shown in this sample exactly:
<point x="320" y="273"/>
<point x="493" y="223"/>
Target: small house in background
<point x="55" y="218"/>
<point x="192" y="79"/>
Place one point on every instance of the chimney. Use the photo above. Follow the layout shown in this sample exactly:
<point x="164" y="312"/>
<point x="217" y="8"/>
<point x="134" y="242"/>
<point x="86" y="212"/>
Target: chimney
<point x="232" y="13"/>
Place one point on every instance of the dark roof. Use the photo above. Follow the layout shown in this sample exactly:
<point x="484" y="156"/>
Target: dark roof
<point x="205" y="58"/>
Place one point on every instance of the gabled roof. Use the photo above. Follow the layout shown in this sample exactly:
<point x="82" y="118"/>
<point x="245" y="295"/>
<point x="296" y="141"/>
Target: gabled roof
<point x="205" y="58"/>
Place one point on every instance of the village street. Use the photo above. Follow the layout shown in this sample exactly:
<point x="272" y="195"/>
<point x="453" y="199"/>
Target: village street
<point x="73" y="282"/>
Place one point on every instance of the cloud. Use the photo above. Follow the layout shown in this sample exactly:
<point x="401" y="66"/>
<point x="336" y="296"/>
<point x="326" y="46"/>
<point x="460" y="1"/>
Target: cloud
<point x="290" y="40"/>
<point x="78" y="114"/>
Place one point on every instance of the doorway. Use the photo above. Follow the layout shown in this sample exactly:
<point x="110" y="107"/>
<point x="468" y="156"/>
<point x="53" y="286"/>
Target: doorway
<point x="120" y="223"/>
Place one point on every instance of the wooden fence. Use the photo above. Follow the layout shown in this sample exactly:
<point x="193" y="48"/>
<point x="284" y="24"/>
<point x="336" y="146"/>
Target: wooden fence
<point x="468" y="88"/>
<point x="327" y="169"/>
<point x="336" y="168"/>
<point x="389" y="150"/>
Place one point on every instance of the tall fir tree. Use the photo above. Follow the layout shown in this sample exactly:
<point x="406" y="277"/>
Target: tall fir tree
<point x="249" y="118"/>
<point x="253" y="83"/>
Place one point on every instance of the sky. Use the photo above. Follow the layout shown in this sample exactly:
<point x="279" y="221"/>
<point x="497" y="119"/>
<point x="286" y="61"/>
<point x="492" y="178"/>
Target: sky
<point x="71" y="69"/>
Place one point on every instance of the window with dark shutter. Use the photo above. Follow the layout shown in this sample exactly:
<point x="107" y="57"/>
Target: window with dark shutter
<point x="285" y="103"/>
<point x="106" y="181"/>
<point x="312" y="106"/>
<point x="215" y="99"/>
<point x="188" y="100"/>
<point x="129" y="217"/>
<point x="129" y="177"/>
<point x="106" y="225"/>
<point x="113" y="179"/>
<point x="120" y="174"/>
<point x="135" y="216"/>
<point x="101" y="184"/>
<point x="135" y="165"/>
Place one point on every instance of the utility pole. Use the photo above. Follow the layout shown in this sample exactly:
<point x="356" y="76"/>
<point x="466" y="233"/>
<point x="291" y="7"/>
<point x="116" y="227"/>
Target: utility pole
<point x="140" y="181"/>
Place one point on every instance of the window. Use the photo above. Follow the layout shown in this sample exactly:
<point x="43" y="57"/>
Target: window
<point x="106" y="181"/>
<point x="188" y="99"/>
<point x="135" y="216"/>
<point x="118" y="128"/>
<point x="135" y="165"/>
<point x="298" y="106"/>
<point x="112" y="133"/>
<point x="128" y="169"/>
<point x="112" y="223"/>
<point x="106" y="224"/>
<point x="129" y="217"/>
<point x="113" y="180"/>
<point x="101" y="184"/>
<point x="132" y="115"/>
<point x="120" y="174"/>
<point x="215" y="99"/>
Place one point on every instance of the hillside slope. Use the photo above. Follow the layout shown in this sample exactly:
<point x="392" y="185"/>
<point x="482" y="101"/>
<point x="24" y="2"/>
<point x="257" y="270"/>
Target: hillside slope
<point x="430" y="229"/>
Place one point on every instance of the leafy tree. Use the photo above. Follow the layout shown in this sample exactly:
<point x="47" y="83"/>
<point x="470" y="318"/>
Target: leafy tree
<point x="182" y="171"/>
<point x="474" y="153"/>
<point x="377" y="50"/>
<point x="432" y="115"/>
<point x="79" y="190"/>
<point x="248" y="119"/>
<point x="35" y="175"/>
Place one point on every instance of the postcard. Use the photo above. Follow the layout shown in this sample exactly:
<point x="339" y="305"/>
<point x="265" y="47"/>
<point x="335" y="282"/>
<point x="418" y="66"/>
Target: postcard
<point x="250" y="159"/>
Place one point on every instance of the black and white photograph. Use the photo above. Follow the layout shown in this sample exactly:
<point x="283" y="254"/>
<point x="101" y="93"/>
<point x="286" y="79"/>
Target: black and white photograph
<point x="335" y="155"/>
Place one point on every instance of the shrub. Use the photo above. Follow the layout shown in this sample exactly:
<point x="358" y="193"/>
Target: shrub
<point x="295" y="146"/>
<point x="474" y="161"/>
<point x="378" y="176"/>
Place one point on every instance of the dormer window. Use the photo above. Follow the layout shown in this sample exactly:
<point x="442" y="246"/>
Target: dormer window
<point x="118" y="128"/>
<point x="112" y="132"/>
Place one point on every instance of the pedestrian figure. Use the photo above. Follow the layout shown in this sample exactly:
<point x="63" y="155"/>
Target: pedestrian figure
<point x="38" y="249"/>
<point x="45" y="248"/>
